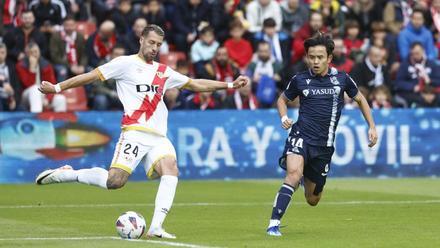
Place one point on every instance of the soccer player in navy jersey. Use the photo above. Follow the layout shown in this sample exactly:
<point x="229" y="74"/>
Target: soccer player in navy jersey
<point x="309" y="147"/>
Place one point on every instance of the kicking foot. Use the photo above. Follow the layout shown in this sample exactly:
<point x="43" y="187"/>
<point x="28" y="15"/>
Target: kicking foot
<point x="274" y="231"/>
<point x="160" y="233"/>
<point x="51" y="176"/>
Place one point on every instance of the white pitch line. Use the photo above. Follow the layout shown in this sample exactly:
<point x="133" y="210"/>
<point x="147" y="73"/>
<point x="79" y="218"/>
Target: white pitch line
<point x="218" y="204"/>
<point x="168" y="243"/>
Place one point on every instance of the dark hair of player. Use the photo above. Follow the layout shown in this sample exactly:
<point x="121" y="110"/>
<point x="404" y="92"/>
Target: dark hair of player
<point x="320" y="40"/>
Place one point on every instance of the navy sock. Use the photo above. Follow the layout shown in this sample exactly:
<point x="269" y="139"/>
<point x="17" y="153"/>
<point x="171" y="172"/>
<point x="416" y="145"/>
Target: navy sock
<point x="282" y="200"/>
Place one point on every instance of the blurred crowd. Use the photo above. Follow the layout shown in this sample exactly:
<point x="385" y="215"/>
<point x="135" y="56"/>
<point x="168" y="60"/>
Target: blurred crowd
<point x="389" y="47"/>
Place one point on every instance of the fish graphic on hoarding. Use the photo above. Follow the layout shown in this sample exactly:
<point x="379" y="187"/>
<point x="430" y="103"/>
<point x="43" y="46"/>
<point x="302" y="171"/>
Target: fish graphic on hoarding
<point x="56" y="136"/>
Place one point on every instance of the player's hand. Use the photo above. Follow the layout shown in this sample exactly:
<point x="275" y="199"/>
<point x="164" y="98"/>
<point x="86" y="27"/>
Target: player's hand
<point x="372" y="136"/>
<point x="241" y="81"/>
<point x="286" y="123"/>
<point x="46" y="88"/>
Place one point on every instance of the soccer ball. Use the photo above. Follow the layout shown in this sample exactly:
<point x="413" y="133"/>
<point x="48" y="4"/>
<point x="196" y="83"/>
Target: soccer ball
<point x="130" y="225"/>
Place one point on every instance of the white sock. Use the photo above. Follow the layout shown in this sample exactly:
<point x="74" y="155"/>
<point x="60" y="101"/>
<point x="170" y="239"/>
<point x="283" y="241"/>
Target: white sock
<point x="164" y="200"/>
<point x="274" y="223"/>
<point x="95" y="176"/>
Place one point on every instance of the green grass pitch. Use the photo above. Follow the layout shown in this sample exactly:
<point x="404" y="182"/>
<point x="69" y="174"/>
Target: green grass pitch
<point x="352" y="213"/>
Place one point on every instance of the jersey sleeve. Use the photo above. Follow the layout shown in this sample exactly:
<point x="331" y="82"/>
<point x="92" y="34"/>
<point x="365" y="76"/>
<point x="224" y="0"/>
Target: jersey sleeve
<point x="176" y="80"/>
<point x="292" y="91"/>
<point x="350" y="86"/>
<point x="112" y="69"/>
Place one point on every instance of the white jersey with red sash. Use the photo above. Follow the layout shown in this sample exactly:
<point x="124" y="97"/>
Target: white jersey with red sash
<point x="140" y="88"/>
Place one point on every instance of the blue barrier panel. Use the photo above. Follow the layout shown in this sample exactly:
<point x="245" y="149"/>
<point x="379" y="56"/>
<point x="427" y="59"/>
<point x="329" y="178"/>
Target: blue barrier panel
<point x="220" y="144"/>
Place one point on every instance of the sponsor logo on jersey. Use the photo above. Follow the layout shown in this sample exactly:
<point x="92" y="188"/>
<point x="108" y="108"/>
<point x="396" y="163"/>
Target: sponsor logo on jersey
<point x="326" y="91"/>
<point x="308" y="81"/>
<point x="148" y="88"/>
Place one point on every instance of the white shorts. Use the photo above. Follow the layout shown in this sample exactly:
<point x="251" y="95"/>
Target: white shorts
<point x="133" y="145"/>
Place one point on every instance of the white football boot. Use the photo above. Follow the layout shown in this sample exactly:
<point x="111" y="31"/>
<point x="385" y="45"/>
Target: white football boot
<point x="51" y="176"/>
<point x="160" y="233"/>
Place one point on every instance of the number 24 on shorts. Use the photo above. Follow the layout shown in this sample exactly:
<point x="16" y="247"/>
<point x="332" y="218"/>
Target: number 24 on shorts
<point x="128" y="149"/>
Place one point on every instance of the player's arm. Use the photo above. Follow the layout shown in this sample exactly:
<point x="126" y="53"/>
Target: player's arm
<point x="366" y="111"/>
<point x="82" y="79"/>
<point x="282" y="110"/>
<point x="200" y="85"/>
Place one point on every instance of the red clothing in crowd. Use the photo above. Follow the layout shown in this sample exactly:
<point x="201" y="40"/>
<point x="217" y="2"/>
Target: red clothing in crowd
<point x="353" y="44"/>
<point x="27" y="78"/>
<point x="239" y="51"/>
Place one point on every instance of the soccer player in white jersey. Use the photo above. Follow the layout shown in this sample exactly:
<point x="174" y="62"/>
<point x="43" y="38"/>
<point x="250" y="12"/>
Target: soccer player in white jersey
<point x="141" y="84"/>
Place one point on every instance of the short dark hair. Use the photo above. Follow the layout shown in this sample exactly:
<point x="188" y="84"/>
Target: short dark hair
<point x="269" y="23"/>
<point x="320" y="39"/>
<point x="416" y="43"/>
<point x="153" y="28"/>
<point x="418" y="10"/>
<point x="206" y="29"/>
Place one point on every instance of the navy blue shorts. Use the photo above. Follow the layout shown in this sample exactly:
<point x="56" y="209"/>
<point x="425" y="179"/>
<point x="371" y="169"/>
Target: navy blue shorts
<point x="316" y="159"/>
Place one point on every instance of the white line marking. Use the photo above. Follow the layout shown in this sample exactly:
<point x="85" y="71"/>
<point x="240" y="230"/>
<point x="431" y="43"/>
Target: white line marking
<point x="169" y="243"/>
<point x="218" y="204"/>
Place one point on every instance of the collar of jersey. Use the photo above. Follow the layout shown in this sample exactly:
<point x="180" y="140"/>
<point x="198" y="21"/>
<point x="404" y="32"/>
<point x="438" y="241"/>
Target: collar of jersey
<point x="331" y="72"/>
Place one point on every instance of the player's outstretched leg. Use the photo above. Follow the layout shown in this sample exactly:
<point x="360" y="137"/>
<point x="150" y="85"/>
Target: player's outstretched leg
<point x="295" y="166"/>
<point x="112" y="179"/>
<point x="167" y="169"/>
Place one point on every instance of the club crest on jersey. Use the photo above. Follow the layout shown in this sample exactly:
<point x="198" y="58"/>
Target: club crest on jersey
<point x="334" y="80"/>
<point x="160" y="74"/>
<point x="305" y="92"/>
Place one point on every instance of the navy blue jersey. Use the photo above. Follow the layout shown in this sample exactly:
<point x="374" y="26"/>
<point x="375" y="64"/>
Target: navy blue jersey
<point x="321" y="102"/>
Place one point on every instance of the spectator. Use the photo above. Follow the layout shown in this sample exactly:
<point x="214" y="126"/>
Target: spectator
<point x="242" y="98"/>
<point x="239" y="49"/>
<point x="187" y="19"/>
<point x="101" y="43"/>
<point x="371" y="72"/>
<point x="416" y="73"/>
<point x="78" y="9"/>
<point x="295" y="15"/>
<point x="279" y="41"/>
<point x="12" y="12"/>
<point x="68" y="51"/>
<point x="9" y="88"/>
<point x="132" y="38"/>
<point x="396" y="15"/>
<point x="259" y="10"/>
<point x="332" y="14"/>
<point x="353" y="41"/>
<point x="103" y="94"/>
<point x="101" y="9"/>
<point x="47" y="15"/>
<point x="435" y="14"/>
<point x="18" y="38"/>
<point x="264" y="72"/>
<point x="381" y="97"/>
<point x="123" y="17"/>
<point x="203" y="50"/>
<point x="220" y="68"/>
<point x="223" y="13"/>
<point x="203" y="101"/>
<point x="154" y="13"/>
<point x="315" y="24"/>
<point x="415" y="31"/>
<point x="364" y="12"/>
<point x="31" y="70"/>
<point x="340" y="59"/>
<point x="387" y="41"/>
